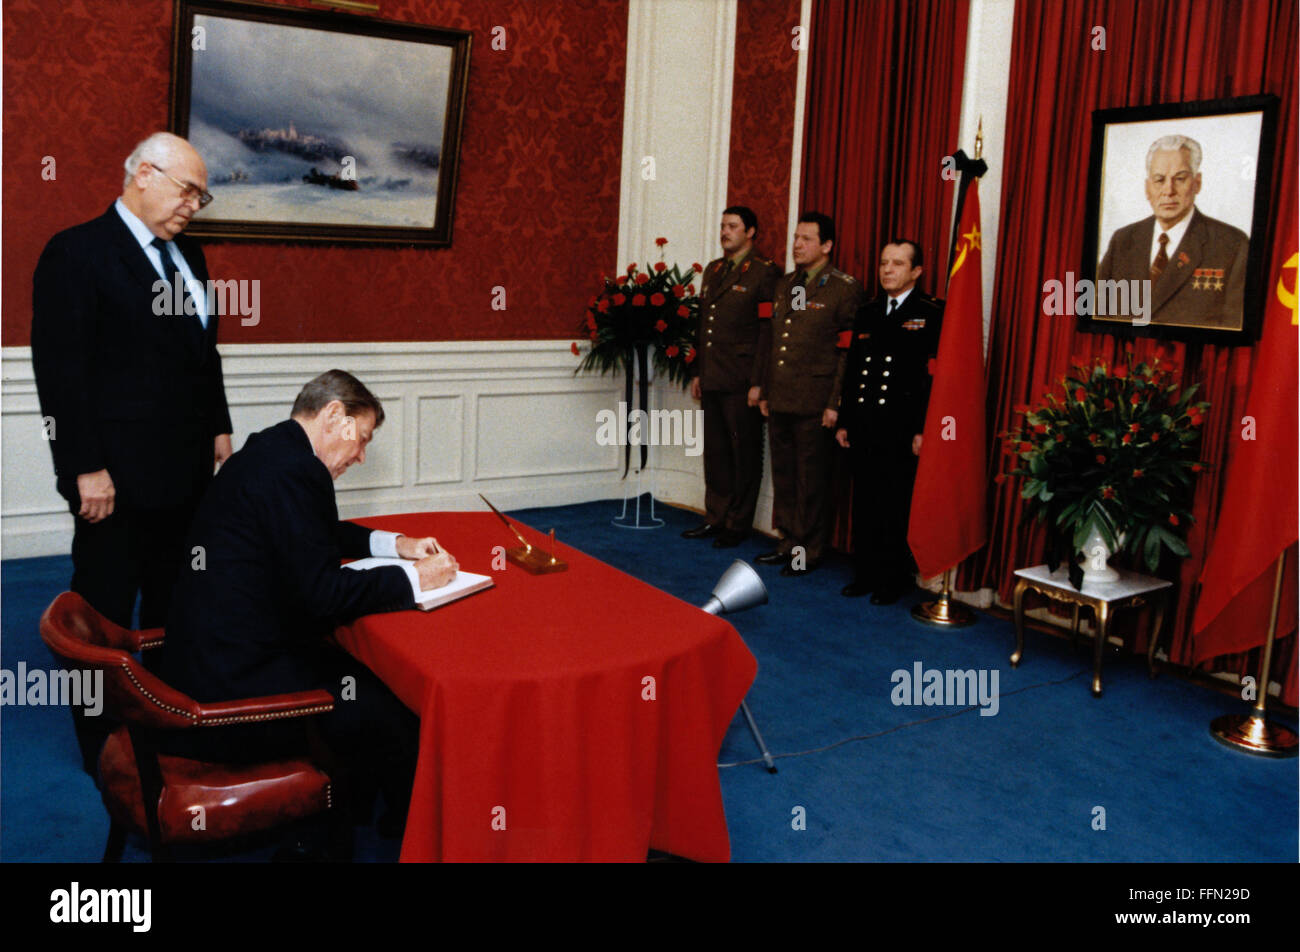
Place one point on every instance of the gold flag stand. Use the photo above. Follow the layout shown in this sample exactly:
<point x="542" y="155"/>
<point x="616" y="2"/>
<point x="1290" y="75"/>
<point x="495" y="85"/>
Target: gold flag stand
<point x="944" y="612"/>
<point x="1253" y="733"/>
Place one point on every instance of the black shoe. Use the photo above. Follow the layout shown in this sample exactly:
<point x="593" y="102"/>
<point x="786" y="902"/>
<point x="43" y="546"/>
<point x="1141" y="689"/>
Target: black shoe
<point x="703" y="531"/>
<point x="729" y="539"/>
<point x="791" y="572"/>
<point x="856" y="589"/>
<point x="775" y="557"/>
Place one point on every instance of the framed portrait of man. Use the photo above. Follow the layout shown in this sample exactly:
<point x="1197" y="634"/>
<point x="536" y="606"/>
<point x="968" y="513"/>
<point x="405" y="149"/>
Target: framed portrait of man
<point x="1178" y="219"/>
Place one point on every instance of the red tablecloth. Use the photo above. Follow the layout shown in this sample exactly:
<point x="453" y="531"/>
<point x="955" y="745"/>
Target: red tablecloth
<point x="533" y="709"/>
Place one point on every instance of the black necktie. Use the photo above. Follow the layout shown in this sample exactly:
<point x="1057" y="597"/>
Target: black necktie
<point x="194" y="323"/>
<point x="893" y="306"/>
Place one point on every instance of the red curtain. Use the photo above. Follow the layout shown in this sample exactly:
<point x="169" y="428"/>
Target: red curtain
<point x="1155" y="51"/>
<point x="883" y="108"/>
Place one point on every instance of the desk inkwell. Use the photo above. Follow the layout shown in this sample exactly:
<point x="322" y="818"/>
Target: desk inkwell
<point x="529" y="558"/>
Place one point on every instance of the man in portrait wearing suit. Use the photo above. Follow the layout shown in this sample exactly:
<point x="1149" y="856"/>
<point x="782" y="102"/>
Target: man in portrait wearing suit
<point x="132" y="392"/>
<point x="882" y="414"/>
<point x="255" y="615"/>
<point x="735" y="329"/>
<point x="813" y="311"/>
<point x="1196" y="264"/>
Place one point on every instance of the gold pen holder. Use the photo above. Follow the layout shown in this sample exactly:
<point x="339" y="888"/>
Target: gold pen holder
<point x="534" y="561"/>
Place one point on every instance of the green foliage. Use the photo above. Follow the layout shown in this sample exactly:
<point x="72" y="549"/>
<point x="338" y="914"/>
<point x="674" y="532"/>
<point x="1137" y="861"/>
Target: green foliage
<point x="1117" y="454"/>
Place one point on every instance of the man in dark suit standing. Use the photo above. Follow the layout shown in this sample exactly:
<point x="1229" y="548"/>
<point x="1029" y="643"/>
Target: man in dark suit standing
<point x="253" y="616"/>
<point x="882" y="415"/>
<point x="132" y="392"/>
<point x="1196" y="264"/>
<point x="812" y="316"/>
<point x="735" y="310"/>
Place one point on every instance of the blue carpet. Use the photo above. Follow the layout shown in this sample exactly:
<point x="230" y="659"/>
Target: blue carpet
<point x="866" y="779"/>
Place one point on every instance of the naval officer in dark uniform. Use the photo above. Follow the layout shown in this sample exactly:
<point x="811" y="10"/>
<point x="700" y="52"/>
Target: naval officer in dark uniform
<point x="812" y="317"/>
<point x="735" y="329"/>
<point x="882" y="414"/>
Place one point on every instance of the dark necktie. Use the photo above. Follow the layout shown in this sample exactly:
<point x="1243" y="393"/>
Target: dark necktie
<point x="1162" y="259"/>
<point x="893" y="306"/>
<point x="171" y="275"/>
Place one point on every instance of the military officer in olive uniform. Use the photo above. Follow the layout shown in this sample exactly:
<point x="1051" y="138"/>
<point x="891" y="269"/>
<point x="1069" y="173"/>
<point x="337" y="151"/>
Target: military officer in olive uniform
<point x="882" y="414"/>
<point x="735" y="329"/>
<point x="812" y="316"/>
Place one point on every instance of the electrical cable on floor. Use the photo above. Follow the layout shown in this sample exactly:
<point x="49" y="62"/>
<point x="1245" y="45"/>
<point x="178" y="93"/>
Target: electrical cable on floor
<point x="899" y="727"/>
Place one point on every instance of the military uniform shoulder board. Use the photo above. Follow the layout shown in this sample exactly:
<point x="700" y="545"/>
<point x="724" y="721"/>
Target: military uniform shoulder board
<point x="850" y="279"/>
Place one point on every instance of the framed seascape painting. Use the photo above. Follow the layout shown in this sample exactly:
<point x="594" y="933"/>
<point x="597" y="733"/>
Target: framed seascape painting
<point x="1178" y="219"/>
<point x="319" y="126"/>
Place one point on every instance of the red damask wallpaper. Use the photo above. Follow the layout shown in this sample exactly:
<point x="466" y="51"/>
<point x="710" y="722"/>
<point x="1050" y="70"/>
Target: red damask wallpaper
<point x="762" y="117"/>
<point x="536" y="204"/>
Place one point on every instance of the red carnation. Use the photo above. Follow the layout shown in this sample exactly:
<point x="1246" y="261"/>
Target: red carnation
<point x="1026" y="447"/>
<point x="1135" y="399"/>
<point x="638" y="300"/>
<point x="1173" y="519"/>
<point x="661" y="325"/>
<point x="1197" y="467"/>
<point x="631" y="267"/>
<point x="683" y="311"/>
<point x="696" y="267"/>
<point x="642" y="278"/>
<point x="679" y="291"/>
<point x="1155" y="437"/>
<point x="1060" y="437"/>
<point x="1108" y="404"/>
<point x="1134" y="427"/>
<point x="1128" y="438"/>
<point x="574" y="347"/>
<point x="603" y="306"/>
<point x="591" y="323"/>
<point x="594" y="336"/>
<point x="1101" y="458"/>
<point x="660" y="266"/>
<point x="1094" y="439"/>
<point x="1138" y="474"/>
<point x="690" y="289"/>
<point x="656" y="299"/>
<point x="1041" y="428"/>
<point x="618" y="300"/>
<point x="690" y="354"/>
<point x="671" y="350"/>
<point x="661" y="242"/>
<point x="1107" y="492"/>
<point x="1080" y="395"/>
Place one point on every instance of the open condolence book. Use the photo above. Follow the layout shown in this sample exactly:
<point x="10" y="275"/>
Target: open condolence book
<point x="465" y="583"/>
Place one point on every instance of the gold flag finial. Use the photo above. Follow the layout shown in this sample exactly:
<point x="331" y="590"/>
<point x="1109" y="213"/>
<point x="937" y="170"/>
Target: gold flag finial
<point x="979" y="139"/>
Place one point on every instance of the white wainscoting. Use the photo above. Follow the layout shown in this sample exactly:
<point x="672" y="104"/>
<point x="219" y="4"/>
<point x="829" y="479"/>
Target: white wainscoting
<point x="504" y="418"/>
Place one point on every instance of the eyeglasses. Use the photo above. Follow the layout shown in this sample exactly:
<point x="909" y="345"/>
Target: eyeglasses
<point x="188" y="192"/>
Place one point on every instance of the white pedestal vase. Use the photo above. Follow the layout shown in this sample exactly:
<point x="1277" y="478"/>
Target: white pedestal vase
<point x="1095" y="554"/>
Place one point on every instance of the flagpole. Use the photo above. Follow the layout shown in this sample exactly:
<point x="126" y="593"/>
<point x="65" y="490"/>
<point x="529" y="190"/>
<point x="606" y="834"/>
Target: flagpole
<point x="944" y="611"/>
<point x="1252" y="732"/>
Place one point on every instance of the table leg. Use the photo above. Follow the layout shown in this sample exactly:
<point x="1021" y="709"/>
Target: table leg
<point x="1102" y="611"/>
<point x="1019" y="601"/>
<point x="1155" y="634"/>
<point x="1074" y="628"/>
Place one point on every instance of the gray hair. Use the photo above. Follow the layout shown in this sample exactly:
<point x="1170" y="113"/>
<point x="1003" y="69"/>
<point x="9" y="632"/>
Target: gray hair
<point x="158" y="150"/>
<point x="1173" y="142"/>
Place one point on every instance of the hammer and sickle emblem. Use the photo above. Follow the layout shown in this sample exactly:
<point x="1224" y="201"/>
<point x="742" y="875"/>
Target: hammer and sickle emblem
<point x="1288" y="297"/>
